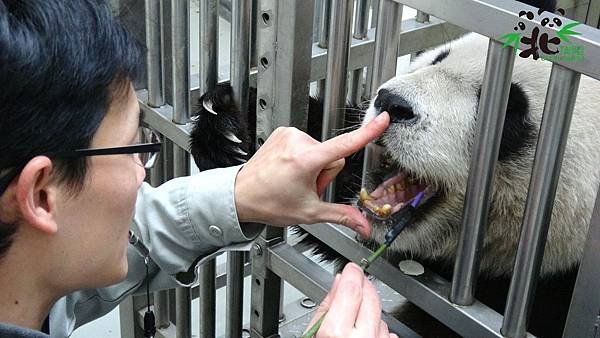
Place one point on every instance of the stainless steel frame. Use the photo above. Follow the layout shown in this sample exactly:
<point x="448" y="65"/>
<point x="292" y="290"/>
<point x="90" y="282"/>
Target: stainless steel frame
<point x="291" y="61"/>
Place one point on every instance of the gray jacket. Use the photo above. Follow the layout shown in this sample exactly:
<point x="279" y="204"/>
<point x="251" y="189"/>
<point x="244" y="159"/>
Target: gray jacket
<point x="184" y="221"/>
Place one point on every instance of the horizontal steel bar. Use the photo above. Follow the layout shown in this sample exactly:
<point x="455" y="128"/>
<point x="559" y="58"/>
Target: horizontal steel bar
<point x="429" y="291"/>
<point x="495" y="18"/>
<point x="415" y="36"/>
<point x="314" y="281"/>
<point x="161" y="119"/>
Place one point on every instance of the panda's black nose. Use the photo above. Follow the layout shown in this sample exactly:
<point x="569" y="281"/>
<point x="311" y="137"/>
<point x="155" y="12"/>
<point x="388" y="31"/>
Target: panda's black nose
<point x="399" y="109"/>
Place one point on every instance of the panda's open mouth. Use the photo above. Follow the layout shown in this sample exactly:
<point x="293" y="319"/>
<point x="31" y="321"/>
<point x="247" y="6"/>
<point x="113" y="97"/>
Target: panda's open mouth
<point x="396" y="191"/>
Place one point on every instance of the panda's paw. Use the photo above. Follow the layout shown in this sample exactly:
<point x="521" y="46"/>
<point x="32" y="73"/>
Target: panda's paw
<point x="219" y="138"/>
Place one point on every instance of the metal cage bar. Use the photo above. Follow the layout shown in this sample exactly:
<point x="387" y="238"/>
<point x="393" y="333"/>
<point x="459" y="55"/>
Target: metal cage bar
<point x="361" y="28"/>
<point x="583" y="319"/>
<point x="183" y="296"/>
<point x="558" y="109"/>
<point x="323" y="37"/>
<point x="209" y="47"/>
<point x="337" y="69"/>
<point x="490" y="123"/>
<point x="180" y="60"/>
<point x="241" y="12"/>
<point x="161" y="306"/>
<point x="387" y="39"/>
<point x="153" y="20"/>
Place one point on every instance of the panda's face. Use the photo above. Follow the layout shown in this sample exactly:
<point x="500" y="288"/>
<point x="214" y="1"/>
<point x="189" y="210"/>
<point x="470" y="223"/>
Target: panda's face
<point x="427" y="146"/>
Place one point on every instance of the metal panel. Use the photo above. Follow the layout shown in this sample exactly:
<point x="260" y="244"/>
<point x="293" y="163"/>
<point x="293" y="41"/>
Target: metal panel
<point x="490" y="123"/>
<point x="499" y="16"/>
<point x="558" y="109"/>
<point x="429" y="291"/>
<point x="584" y="314"/>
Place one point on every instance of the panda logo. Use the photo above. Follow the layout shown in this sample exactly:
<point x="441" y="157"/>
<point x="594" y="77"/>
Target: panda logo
<point x="536" y="42"/>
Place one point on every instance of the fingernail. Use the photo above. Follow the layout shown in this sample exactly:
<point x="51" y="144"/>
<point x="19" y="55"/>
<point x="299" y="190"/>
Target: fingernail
<point x="381" y="116"/>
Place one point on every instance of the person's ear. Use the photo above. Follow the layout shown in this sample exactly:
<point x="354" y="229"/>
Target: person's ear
<point x="36" y="196"/>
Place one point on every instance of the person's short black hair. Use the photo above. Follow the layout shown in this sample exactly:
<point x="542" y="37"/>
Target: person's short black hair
<point x="62" y="62"/>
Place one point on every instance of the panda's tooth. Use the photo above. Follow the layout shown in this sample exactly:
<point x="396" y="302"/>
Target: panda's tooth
<point x="385" y="210"/>
<point x="208" y="106"/>
<point x="399" y="187"/>
<point x="240" y="151"/>
<point x="364" y="195"/>
<point x="231" y="137"/>
<point x="391" y="189"/>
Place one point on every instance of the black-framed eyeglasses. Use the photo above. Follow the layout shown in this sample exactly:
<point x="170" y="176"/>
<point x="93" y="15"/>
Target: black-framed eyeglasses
<point x="147" y="153"/>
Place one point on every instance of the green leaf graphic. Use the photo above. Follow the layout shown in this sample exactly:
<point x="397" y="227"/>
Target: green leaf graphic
<point x="511" y="39"/>
<point x="564" y="32"/>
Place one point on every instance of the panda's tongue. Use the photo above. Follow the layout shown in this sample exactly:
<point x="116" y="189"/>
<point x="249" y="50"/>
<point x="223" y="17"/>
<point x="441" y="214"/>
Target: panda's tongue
<point x="392" y="195"/>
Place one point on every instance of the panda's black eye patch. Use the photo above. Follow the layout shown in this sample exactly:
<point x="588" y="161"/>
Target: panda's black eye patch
<point x="440" y="57"/>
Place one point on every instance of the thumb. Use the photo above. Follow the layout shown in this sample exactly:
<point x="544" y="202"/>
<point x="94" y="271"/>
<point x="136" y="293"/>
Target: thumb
<point x="328" y="174"/>
<point x="345" y="215"/>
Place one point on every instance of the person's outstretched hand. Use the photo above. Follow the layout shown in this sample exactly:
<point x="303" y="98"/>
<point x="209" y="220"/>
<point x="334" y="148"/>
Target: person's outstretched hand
<point x="282" y="182"/>
<point x="353" y="308"/>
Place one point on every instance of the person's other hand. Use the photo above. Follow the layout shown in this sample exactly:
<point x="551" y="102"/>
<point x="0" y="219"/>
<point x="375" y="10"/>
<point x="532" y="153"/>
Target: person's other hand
<point x="282" y="182"/>
<point x="353" y="308"/>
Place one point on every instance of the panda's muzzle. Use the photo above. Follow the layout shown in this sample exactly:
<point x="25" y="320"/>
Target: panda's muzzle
<point x="400" y="110"/>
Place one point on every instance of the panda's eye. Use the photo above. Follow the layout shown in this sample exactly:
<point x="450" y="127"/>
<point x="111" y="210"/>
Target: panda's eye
<point x="557" y="21"/>
<point x="545" y="21"/>
<point x="522" y="26"/>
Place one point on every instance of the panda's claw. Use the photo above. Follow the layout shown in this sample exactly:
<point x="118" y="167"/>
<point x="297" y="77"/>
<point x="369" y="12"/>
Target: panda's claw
<point x="208" y="106"/>
<point x="240" y="151"/>
<point x="241" y="160"/>
<point x="231" y="137"/>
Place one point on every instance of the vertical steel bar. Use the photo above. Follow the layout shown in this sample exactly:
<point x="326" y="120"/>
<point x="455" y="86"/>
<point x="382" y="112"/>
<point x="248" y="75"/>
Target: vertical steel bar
<point x="180" y="49"/>
<point x="209" y="44"/>
<point x="323" y="38"/>
<point x="490" y="122"/>
<point x="584" y="313"/>
<point x="183" y="323"/>
<point x="234" y="294"/>
<point x="385" y="55"/>
<point x="156" y="97"/>
<point x="558" y="109"/>
<point x="161" y="305"/>
<point x="183" y="296"/>
<point x="209" y="49"/>
<point x="361" y="21"/>
<point x="241" y="11"/>
<point x="337" y="68"/>
<point x="387" y="38"/>
<point x="240" y="51"/>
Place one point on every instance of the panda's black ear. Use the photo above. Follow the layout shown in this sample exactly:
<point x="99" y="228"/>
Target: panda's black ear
<point x="544" y="5"/>
<point x="561" y="11"/>
<point x="521" y="13"/>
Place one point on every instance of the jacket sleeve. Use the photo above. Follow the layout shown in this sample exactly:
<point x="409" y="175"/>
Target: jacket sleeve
<point x="182" y="223"/>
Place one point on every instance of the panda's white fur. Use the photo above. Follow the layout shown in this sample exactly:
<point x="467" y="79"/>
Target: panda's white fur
<point x="437" y="148"/>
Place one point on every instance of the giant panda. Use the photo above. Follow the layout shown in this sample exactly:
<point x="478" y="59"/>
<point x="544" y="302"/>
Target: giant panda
<point x="434" y="111"/>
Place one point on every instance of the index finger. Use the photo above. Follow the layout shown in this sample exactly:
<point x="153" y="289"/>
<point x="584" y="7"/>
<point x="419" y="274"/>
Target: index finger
<point x="347" y="144"/>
